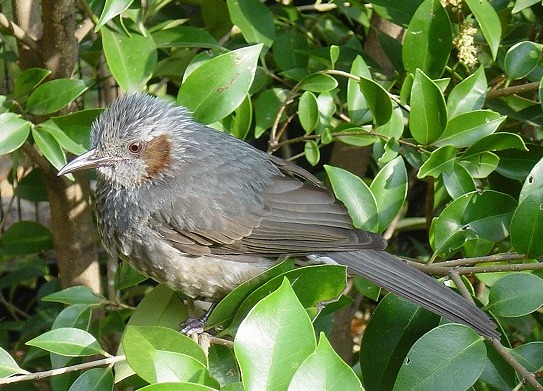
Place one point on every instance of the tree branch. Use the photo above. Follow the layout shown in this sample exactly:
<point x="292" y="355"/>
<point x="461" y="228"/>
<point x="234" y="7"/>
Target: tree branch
<point x="17" y="32"/>
<point x="513" y="90"/>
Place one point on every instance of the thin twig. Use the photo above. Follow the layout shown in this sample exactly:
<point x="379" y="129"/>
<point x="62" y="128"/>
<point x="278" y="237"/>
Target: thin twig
<point x="83" y="29"/>
<point x="18" y="32"/>
<point x="455" y="277"/>
<point x="439" y="270"/>
<point x="60" y="371"/>
<point x="488" y="258"/>
<point x="512" y="361"/>
<point x="513" y="90"/>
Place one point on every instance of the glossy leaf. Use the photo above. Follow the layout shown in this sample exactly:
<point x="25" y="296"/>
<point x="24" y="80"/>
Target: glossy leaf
<point x="94" y="379"/>
<point x="312" y="152"/>
<point x="458" y="181"/>
<point x="55" y="94"/>
<point x="324" y="370"/>
<point x="428" y="110"/>
<point x="517" y="164"/>
<point x="356" y="196"/>
<point x="185" y="37"/>
<point x="131" y="58"/>
<point x="334" y="55"/>
<point x="265" y="338"/>
<point x="308" y="111"/>
<point x="219" y="86"/>
<point x="377" y="100"/>
<point x="468" y="128"/>
<point x="74" y="295"/>
<point x="521" y="59"/>
<point x="430" y="25"/>
<point x="77" y="125"/>
<point x="527" y="225"/>
<point x="359" y="112"/>
<point x="450" y="357"/>
<point x="389" y="188"/>
<point x="223" y="365"/>
<point x="254" y="19"/>
<point x="480" y="165"/>
<point x="516" y="294"/>
<point x="440" y="161"/>
<point x="318" y="82"/>
<point x="243" y="118"/>
<point x="530" y="355"/>
<point x="8" y="366"/>
<point x="488" y="21"/>
<point x="111" y="9"/>
<point x="177" y="386"/>
<point x="148" y="349"/>
<point x="395" y="125"/>
<point x="533" y="182"/>
<point x="62" y="138"/>
<point x="393" y="328"/>
<point x="25" y="237"/>
<point x="66" y="341"/>
<point x="28" y="80"/>
<point x="15" y="131"/>
<point x="495" y="142"/>
<point x="485" y="214"/>
<point x="289" y="50"/>
<point x="266" y="108"/>
<point x="468" y="95"/>
<point x="77" y="316"/>
<point x="49" y="147"/>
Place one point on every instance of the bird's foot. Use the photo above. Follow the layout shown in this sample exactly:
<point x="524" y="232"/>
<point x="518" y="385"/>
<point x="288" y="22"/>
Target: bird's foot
<point x="195" y="326"/>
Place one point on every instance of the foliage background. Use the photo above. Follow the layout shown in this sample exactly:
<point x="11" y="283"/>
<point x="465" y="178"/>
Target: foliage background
<point x="423" y="116"/>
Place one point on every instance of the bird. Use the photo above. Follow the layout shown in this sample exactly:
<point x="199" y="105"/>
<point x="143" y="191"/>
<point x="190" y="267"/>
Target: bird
<point x="202" y="211"/>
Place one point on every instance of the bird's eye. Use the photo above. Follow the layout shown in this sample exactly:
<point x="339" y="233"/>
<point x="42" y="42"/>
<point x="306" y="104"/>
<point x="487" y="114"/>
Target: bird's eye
<point x="135" y="147"/>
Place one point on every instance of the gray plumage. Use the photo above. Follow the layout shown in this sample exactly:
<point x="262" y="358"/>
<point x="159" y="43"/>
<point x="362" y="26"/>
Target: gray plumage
<point x="202" y="212"/>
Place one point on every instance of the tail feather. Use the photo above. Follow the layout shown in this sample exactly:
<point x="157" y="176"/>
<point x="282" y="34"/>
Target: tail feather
<point x="398" y="277"/>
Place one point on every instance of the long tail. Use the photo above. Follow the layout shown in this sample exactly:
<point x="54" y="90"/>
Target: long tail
<point x="398" y="277"/>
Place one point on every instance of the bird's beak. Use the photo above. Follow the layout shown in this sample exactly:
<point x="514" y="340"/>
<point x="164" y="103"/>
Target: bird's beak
<point x="87" y="160"/>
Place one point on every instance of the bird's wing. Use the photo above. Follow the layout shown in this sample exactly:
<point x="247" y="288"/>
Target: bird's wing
<point x="293" y="215"/>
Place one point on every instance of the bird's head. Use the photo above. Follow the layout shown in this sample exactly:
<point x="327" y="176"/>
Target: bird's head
<point x="136" y="141"/>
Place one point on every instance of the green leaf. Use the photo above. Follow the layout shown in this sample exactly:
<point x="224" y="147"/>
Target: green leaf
<point x="458" y="181"/>
<point x="449" y="357"/>
<point x="25" y="237"/>
<point x="185" y="37"/>
<point x="517" y="164"/>
<point x="468" y="95"/>
<point x="529" y="355"/>
<point x="496" y="142"/>
<point x="131" y="58"/>
<point x="356" y="196"/>
<point x="468" y="128"/>
<point x="440" y="161"/>
<point x="111" y="9"/>
<point x="266" y="108"/>
<point x="515" y="295"/>
<point x="178" y="386"/>
<point x="243" y="117"/>
<point x="254" y="19"/>
<point x="28" y="80"/>
<point x="377" y="100"/>
<point x="324" y="370"/>
<point x="318" y="82"/>
<point x="521" y="59"/>
<point x="480" y="165"/>
<point x="488" y="21"/>
<point x="393" y="328"/>
<point x="359" y="112"/>
<point x="227" y="307"/>
<point x="289" y="50"/>
<point x="74" y="295"/>
<point x="428" y="40"/>
<point x="302" y="280"/>
<point x="77" y="125"/>
<point x="8" y="366"/>
<point x="334" y="55"/>
<point x="308" y="111"/>
<point x="312" y="152"/>
<point x="527" y="225"/>
<point x="49" y="147"/>
<point x="55" y="94"/>
<point x="394" y="127"/>
<point x="223" y="365"/>
<point x="14" y="133"/>
<point x="485" y="214"/>
<point x="61" y="138"/>
<point x="265" y="338"/>
<point x="154" y="352"/>
<point x="31" y="187"/>
<point x="69" y="342"/>
<point x="428" y="111"/>
<point x="219" y="86"/>
<point x="389" y="187"/>
<point x="77" y="316"/>
<point x="94" y="379"/>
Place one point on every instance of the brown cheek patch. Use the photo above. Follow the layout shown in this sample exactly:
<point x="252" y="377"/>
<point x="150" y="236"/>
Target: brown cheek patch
<point x="158" y="155"/>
